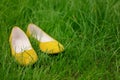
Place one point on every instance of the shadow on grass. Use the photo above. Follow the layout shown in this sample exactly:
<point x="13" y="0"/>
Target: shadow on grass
<point x="53" y="55"/>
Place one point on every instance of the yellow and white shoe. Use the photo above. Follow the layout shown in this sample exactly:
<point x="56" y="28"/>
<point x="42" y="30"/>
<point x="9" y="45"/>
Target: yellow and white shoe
<point x="47" y="43"/>
<point x="21" y="48"/>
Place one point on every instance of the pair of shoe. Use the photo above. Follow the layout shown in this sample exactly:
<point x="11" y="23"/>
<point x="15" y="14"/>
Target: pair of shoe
<point x="22" y="49"/>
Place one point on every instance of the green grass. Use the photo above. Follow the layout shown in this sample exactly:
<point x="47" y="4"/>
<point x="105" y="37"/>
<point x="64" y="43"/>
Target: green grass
<point x="88" y="29"/>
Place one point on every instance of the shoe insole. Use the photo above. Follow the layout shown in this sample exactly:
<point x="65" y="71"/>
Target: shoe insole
<point x="20" y="41"/>
<point x="39" y="34"/>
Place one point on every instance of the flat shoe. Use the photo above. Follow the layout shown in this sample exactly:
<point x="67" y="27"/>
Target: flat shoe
<point x="21" y="48"/>
<point x="47" y="43"/>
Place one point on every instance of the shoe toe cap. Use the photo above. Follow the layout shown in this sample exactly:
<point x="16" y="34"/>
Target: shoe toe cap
<point x="51" y="47"/>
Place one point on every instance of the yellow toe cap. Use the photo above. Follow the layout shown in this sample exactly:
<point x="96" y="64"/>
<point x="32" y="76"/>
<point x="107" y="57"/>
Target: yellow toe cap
<point x="27" y="57"/>
<point x="51" y="47"/>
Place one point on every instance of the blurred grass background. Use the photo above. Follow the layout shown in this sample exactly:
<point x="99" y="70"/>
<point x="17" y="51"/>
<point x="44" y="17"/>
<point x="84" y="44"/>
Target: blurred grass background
<point x="89" y="30"/>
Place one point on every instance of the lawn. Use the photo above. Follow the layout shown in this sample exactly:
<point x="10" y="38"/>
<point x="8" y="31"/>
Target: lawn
<point x="88" y="29"/>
